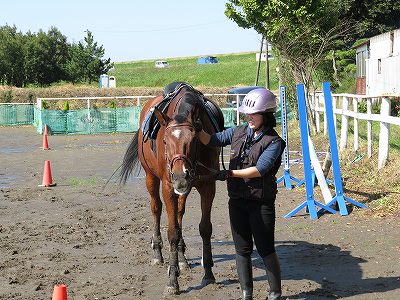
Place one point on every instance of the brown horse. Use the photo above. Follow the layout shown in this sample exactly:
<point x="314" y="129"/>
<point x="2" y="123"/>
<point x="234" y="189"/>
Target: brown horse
<point x="180" y="161"/>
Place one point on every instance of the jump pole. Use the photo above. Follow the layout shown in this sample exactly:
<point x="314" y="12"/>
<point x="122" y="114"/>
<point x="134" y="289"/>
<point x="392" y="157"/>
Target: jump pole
<point x="337" y="177"/>
<point x="310" y="202"/>
<point x="286" y="177"/>
<point x="319" y="174"/>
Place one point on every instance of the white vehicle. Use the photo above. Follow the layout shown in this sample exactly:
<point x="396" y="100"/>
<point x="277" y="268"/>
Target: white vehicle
<point x="161" y="64"/>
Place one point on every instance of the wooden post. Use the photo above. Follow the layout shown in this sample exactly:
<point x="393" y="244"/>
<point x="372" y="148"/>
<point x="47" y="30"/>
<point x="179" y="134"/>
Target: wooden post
<point x="334" y="106"/>
<point x="266" y="64"/>
<point x="345" y="124"/>
<point x="259" y="60"/>
<point x="325" y="122"/>
<point x="316" y="97"/>
<point x="355" y="123"/>
<point x="369" y="127"/>
<point x="39" y="106"/>
<point x="383" y="151"/>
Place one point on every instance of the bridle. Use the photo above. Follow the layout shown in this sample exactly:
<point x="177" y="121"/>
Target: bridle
<point x="182" y="157"/>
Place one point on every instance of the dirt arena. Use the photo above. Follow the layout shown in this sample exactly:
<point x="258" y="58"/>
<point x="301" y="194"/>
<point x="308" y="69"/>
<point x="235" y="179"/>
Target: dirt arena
<point x="97" y="241"/>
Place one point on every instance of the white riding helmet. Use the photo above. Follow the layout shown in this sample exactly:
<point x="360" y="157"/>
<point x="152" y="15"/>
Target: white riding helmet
<point x="258" y="101"/>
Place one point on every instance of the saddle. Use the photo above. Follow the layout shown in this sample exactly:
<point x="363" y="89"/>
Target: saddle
<point x="151" y="126"/>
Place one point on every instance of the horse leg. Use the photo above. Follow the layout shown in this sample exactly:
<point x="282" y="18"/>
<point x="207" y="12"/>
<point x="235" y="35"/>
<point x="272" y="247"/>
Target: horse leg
<point x="183" y="264"/>
<point x="207" y="193"/>
<point x="153" y="187"/>
<point x="171" y="205"/>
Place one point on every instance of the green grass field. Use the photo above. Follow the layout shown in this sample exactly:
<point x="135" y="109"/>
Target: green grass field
<point x="231" y="70"/>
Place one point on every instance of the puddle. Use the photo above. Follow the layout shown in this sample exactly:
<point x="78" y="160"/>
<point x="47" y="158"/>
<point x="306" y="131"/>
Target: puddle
<point x="12" y="150"/>
<point x="6" y="180"/>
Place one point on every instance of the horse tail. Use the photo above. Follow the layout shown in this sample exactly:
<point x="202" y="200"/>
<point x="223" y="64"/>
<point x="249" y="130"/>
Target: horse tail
<point x="130" y="161"/>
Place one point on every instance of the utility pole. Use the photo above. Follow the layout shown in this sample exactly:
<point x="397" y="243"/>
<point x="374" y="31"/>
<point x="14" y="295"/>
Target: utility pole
<point x="259" y="60"/>
<point x="266" y="65"/>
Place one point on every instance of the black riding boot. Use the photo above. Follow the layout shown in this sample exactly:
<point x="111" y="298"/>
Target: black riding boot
<point x="271" y="263"/>
<point x="245" y="273"/>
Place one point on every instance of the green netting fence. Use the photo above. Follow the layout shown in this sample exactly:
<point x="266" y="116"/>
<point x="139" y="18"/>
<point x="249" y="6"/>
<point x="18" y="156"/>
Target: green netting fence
<point x="87" y="121"/>
<point x="16" y="114"/>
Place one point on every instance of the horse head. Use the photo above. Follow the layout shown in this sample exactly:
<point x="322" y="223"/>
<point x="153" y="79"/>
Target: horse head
<point x="181" y="146"/>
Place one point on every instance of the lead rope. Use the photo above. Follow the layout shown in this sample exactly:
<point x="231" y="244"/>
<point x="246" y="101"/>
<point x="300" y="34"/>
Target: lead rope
<point x="222" y="158"/>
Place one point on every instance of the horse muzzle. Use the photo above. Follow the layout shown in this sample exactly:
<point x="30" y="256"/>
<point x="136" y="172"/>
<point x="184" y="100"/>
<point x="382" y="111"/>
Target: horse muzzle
<point x="182" y="182"/>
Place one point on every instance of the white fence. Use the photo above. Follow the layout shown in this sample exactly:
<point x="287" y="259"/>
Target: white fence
<point x="346" y="105"/>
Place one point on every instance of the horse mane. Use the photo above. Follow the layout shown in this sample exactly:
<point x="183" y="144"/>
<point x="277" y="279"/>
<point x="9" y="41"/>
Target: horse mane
<point x="190" y="99"/>
<point x="130" y="161"/>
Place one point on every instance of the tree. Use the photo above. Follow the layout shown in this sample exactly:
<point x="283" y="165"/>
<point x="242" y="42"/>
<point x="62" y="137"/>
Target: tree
<point x="86" y="61"/>
<point x="46" y="55"/>
<point x="372" y="17"/>
<point x="11" y="56"/>
<point x="302" y="32"/>
<point x="310" y="35"/>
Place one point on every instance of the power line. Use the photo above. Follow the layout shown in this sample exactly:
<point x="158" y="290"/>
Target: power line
<point x="180" y="28"/>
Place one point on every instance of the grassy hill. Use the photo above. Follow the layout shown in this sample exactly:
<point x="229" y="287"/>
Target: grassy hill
<point x="232" y="70"/>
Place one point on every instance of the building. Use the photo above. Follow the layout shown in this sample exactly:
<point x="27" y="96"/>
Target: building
<point x="378" y="65"/>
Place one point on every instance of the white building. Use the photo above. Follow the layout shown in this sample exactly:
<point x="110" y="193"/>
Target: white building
<point x="378" y="65"/>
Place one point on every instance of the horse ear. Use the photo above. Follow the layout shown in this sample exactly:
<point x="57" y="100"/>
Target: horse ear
<point x="161" y="117"/>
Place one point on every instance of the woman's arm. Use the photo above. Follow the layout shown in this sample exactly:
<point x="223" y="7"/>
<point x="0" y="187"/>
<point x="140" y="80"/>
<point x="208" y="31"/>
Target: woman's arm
<point x="251" y="172"/>
<point x="219" y="139"/>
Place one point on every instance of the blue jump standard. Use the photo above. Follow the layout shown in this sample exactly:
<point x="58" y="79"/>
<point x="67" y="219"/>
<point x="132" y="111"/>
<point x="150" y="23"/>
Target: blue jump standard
<point x="286" y="177"/>
<point x="339" y="197"/>
<point x="310" y="201"/>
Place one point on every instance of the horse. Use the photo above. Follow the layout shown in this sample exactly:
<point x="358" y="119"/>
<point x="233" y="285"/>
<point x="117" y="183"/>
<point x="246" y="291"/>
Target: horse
<point x="177" y="158"/>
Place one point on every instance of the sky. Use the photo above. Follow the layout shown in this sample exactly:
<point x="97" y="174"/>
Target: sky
<point x="137" y="29"/>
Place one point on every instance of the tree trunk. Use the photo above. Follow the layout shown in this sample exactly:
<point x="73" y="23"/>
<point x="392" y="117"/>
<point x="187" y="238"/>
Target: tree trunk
<point x="335" y="72"/>
<point x="327" y="163"/>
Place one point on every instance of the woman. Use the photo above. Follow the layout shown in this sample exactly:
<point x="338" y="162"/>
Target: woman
<point x="256" y="151"/>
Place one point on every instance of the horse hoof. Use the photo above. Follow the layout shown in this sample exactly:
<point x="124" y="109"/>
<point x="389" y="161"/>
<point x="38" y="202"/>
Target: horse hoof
<point x="171" y="290"/>
<point x="157" y="261"/>
<point x="184" y="266"/>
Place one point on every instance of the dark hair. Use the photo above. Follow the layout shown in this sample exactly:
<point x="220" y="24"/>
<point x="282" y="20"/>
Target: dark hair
<point x="269" y="119"/>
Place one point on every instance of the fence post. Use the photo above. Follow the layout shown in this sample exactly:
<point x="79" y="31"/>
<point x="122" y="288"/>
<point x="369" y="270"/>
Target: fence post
<point x="355" y="122"/>
<point x="334" y="106"/>
<point x="345" y="123"/>
<point x="39" y="106"/>
<point x="369" y="127"/>
<point x="325" y="122"/>
<point x="316" y="97"/>
<point x="88" y="109"/>
<point x="237" y="110"/>
<point x="383" y="151"/>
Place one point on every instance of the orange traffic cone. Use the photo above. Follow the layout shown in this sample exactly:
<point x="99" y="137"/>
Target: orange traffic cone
<point x="45" y="142"/>
<point x="60" y="292"/>
<point x="47" y="179"/>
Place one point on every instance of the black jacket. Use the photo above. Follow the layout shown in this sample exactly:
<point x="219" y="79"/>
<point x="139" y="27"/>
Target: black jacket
<point x="261" y="188"/>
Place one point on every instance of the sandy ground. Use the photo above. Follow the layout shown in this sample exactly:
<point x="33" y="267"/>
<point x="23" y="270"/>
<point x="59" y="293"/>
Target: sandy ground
<point x="97" y="241"/>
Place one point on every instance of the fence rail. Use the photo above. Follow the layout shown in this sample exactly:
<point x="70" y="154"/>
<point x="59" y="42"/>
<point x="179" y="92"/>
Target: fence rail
<point x="347" y="106"/>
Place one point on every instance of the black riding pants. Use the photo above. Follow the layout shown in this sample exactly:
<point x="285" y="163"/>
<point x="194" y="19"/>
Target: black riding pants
<point x="252" y="219"/>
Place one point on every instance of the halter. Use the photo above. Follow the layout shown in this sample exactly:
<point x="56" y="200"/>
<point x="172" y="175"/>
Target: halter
<point x="183" y="157"/>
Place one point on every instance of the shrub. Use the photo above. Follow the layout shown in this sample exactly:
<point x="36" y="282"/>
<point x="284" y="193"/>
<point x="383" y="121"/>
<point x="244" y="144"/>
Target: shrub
<point x="66" y="106"/>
